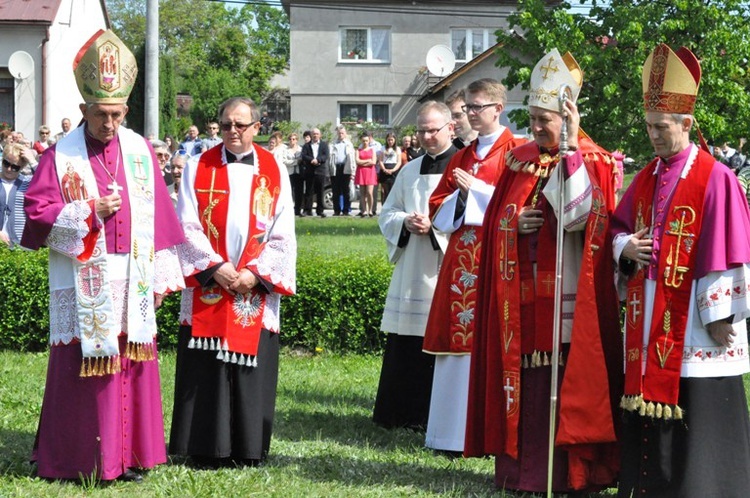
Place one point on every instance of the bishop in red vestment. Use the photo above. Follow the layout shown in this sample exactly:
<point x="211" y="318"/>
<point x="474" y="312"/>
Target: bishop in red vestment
<point x="509" y="395"/>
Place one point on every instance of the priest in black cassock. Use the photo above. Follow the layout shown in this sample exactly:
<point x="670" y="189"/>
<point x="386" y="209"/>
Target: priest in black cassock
<point x="417" y="249"/>
<point x="235" y="205"/>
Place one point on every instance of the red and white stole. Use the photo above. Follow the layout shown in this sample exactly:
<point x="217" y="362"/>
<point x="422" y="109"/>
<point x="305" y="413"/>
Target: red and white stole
<point x="232" y="324"/>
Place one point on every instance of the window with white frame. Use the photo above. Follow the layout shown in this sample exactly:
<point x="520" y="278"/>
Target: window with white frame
<point x="467" y="43"/>
<point x="362" y="112"/>
<point x="365" y="44"/>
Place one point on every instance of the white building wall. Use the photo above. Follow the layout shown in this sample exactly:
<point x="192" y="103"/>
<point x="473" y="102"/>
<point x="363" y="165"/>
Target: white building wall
<point x="319" y="82"/>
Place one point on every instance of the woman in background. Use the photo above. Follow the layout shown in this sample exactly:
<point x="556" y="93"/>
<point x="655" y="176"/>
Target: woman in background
<point x="390" y="163"/>
<point x="366" y="177"/>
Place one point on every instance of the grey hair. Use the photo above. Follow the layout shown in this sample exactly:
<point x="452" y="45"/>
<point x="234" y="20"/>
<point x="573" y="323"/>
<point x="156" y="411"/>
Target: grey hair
<point x="233" y="102"/>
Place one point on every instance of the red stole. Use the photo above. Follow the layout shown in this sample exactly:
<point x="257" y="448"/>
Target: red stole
<point x="656" y="393"/>
<point x="450" y="326"/>
<point x="235" y="320"/>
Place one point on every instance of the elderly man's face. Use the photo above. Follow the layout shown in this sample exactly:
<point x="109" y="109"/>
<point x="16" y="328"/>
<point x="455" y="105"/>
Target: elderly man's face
<point x="316" y="135"/>
<point x="546" y="126"/>
<point x="65" y="125"/>
<point x="103" y="120"/>
<point x="193" y="132"/>
<point x="238" y="128"/>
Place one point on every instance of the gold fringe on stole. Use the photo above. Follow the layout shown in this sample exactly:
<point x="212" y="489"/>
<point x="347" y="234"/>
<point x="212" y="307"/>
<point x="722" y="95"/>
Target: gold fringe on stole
<point x="139" y="352"/>
<point x="100" y="366"/>
<point x="650" y="409"/>
<point x="539" y="358"/>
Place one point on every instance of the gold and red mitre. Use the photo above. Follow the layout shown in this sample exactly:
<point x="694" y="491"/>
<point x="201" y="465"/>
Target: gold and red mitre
<point x="105" y="69"/>
<point x="550" y="73"/>
<point x="671" y="80"/>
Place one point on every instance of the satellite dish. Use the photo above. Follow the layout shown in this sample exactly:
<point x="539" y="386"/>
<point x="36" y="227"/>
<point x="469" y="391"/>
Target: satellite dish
<point x="440" y="60"/>
<point x="20" y="65"/>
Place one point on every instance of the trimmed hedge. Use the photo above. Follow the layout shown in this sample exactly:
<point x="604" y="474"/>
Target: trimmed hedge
<point x="338" y="306"/>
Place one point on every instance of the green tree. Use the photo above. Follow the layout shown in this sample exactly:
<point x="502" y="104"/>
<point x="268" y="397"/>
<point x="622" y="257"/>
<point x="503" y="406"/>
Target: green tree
<point x="216" y="52"/>
<point x="612" y="42"/>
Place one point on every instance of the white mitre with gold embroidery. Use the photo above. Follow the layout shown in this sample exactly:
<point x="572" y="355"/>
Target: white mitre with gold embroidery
<point x="550" y="73"/>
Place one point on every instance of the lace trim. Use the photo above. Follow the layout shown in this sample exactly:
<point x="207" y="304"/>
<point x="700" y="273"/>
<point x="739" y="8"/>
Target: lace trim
<point x="271" y="312"/>
<point x="62" y="312"/>
<point x="66" y="236"/>
<point x="195" y="253"/>
<point x="277" y="261"/>
<point x="167" y="271"/>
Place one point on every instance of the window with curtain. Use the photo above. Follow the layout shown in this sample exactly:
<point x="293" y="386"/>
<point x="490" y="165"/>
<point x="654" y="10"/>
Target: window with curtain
<point x="365" y="44"/>
<point x="467" y="43"/>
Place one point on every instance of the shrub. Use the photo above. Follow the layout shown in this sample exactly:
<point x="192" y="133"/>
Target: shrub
<point x="338" y="306"/>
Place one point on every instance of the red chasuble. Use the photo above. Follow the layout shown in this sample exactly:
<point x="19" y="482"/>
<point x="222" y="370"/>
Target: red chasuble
<point x="514" y="320"/>
<point x="656" y="393"/>
<point x="235" y="320"/>
<point x="450" y="326"/>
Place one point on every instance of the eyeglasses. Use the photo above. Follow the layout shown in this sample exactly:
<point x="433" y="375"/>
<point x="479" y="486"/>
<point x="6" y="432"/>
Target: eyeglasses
<point x="240" y="127"/>
<point x="432" y="131"/>
<point x="213" y="127"/>
<point x="162" y="155"/>
<point x="476" y="108"/>
<point x="8" y="164"/>
<point x="44" y="133"/>
<point x="457" y="115"/>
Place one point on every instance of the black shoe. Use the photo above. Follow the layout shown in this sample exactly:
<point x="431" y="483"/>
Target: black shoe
<point x="323" y="215"/>
<point x="302" y="215"/>
<point x="131" y="476"/>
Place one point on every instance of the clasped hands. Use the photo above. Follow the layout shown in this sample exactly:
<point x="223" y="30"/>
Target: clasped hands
<point x="234" y="281"/>
<point x="417" y="223"/>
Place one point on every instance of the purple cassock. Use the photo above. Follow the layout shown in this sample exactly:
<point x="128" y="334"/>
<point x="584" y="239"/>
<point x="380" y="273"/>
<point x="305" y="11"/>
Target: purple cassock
<point x="100" y="425"/>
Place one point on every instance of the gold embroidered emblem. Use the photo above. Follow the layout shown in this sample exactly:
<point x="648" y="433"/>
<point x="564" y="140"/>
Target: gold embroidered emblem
<point x="674" y="272"/>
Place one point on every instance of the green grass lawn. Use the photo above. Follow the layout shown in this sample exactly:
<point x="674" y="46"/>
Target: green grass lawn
<point x="324" y="443"/>
<point x="338" y="236"/>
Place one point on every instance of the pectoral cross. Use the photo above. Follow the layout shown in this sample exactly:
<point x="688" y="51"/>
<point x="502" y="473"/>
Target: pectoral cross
<point x="673" y="273"/>
<point x="208" y="212"/>
<point x="114" y="187"/>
